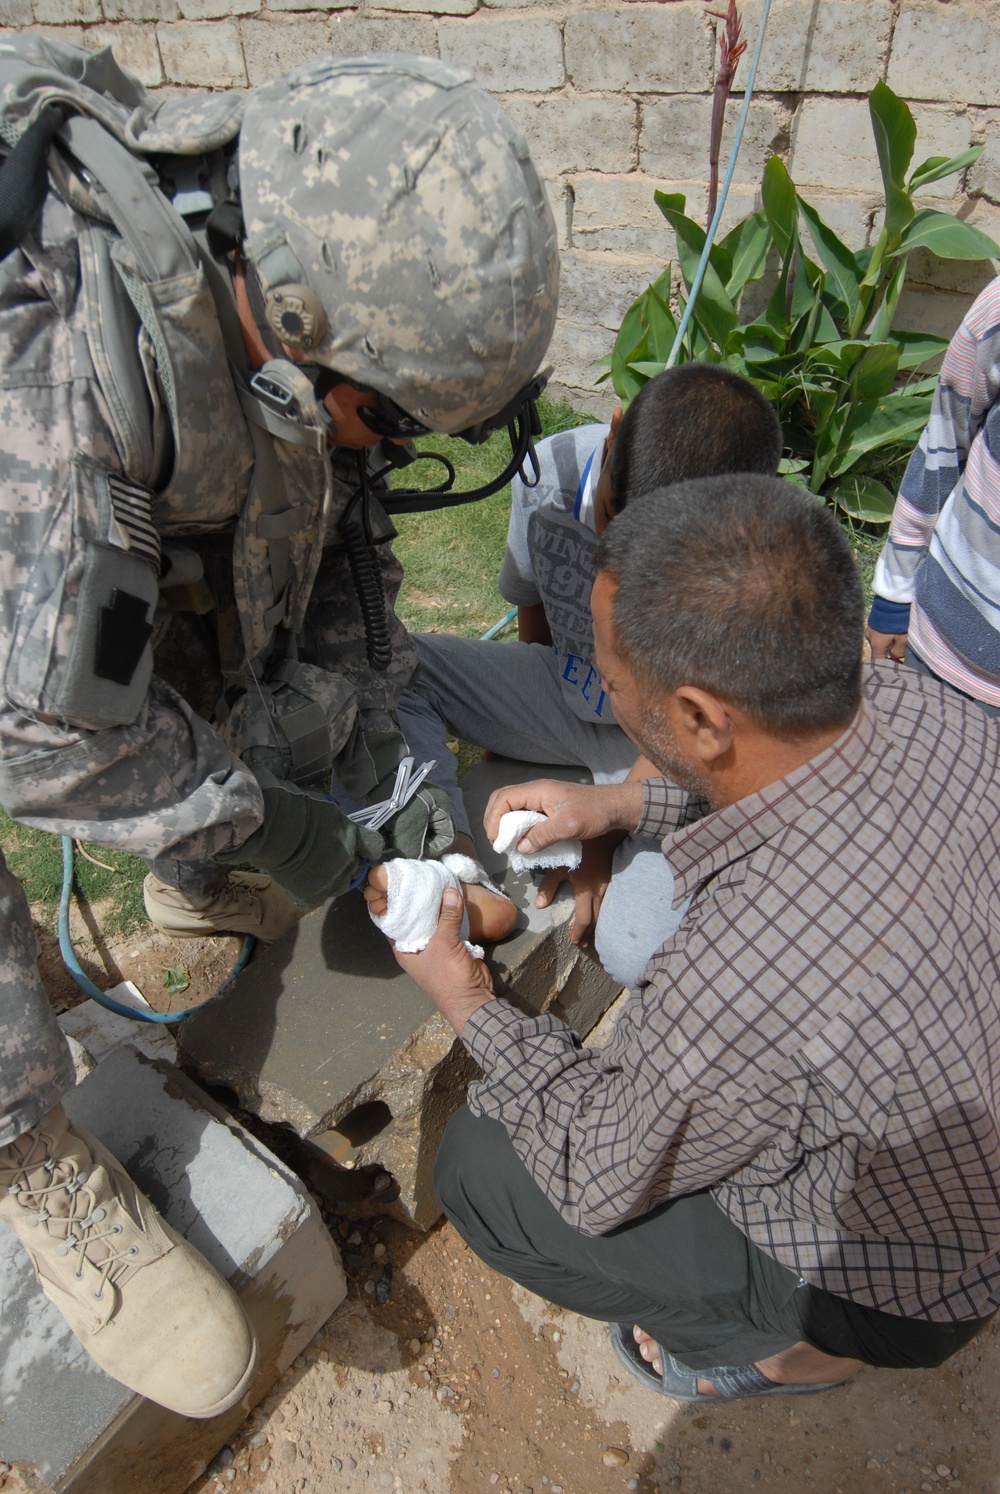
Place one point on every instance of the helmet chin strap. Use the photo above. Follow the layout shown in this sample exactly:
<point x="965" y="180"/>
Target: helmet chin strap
<point x="522" y="428"/>
<point x="355" y="524"/>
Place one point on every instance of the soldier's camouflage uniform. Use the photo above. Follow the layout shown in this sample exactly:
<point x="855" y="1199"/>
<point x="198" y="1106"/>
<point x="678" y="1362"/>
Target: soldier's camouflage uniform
<point x="139" y="770"/>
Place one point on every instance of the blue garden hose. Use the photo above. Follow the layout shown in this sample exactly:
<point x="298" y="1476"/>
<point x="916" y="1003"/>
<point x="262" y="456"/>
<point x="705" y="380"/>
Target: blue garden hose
<point x="86" y="984"/>
<point x="498" y="627"/>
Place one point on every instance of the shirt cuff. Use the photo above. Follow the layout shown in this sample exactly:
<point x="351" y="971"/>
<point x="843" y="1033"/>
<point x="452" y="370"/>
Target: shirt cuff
<point x="665" y="807"/>
<point x="889" y="617"/>
<point x="496" y="1027"/>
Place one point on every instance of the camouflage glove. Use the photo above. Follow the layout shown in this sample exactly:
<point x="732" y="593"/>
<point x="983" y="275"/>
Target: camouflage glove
<point x="306" y="843"/>
<point x="367" y="759"/>
<point x="423" y="829"/>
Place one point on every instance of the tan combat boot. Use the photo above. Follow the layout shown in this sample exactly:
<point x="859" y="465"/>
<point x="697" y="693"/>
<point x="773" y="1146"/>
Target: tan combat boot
<point x="146" y="1306"/>
<point x="248" y="903"/>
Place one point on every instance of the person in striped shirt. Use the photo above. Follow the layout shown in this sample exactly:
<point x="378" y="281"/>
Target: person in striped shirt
<point x="937" y="583"/>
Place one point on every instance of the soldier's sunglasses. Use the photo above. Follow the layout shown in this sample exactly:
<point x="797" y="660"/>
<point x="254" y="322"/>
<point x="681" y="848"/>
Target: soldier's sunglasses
<point x="385" y="419"/>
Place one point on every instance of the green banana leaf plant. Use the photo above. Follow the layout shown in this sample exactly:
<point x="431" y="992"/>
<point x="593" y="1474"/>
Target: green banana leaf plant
<point x="846" y="384"/>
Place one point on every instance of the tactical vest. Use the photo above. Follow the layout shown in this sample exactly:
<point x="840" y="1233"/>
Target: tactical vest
<point x="202" y="445"/>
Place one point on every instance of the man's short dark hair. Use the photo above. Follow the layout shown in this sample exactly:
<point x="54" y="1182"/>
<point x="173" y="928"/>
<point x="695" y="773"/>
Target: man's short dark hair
<point x="696" y="420"/>
<point x="744" y="586"/>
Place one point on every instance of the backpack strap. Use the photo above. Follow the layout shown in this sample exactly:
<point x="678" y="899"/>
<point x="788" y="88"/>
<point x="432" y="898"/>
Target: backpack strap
<point x="24" y="178"/>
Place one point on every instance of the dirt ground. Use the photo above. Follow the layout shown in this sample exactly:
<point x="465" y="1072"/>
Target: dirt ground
<point x="460" y="1382"/>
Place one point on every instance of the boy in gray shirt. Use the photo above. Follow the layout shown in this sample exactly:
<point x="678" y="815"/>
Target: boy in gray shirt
<point x="540" y="699"/>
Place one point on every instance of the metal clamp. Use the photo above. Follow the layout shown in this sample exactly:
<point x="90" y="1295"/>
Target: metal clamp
<point x="374" y="816"/>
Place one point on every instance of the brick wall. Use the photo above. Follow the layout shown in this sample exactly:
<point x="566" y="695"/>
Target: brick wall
<point x="615" y="101"/>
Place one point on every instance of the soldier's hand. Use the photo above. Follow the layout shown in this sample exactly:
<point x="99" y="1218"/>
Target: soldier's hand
<point x="423" y="829"/>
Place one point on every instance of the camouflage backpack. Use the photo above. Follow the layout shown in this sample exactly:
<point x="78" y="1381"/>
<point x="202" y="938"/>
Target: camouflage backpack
<point x="134" y="169"/>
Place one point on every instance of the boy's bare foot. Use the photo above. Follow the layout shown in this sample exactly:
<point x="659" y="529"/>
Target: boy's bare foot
<point x="375" y="891"/>
<point x="490" y="917"/>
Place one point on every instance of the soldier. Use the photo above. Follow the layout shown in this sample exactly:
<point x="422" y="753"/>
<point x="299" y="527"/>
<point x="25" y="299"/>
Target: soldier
<point x="218" y="325"/>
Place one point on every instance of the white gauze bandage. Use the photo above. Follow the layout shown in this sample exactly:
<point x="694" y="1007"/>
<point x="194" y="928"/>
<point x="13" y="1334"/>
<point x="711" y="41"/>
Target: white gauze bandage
<point x="516" y="823"/>
<point x="414" y="896"/>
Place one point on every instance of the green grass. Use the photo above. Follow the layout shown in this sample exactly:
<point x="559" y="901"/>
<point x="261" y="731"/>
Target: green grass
<point x="35" y="858"/>
<point x="451" y="557"/>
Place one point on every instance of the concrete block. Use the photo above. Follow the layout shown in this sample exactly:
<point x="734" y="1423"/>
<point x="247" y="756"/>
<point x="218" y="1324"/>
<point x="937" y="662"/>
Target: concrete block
<point x="940" y="312"/>
<point x="740" y="202"/>
<point x="577" y="132"/>
<point x="215" y="10"/>
<point x="432" y="7"/>
<point x="675" y="132"/>
<point x="325" y="1034"/>
<point x="618" y="213"/>
<point x="273" y="47"/>
<point x="574" y="352"/>
<point x="310" y="4"/>
<point x="983" y="178"/>
<point x="15" y="13"/>
<point x="948" y="52"/>
<point x="600" y="288"/>
<point x="134" y="47"/>
<point x="202" y="54"/>
<point x="93" y="1032"/>
<point x="67" y="12"/>
<point x="350" y="36"/>
<point x="941" y="132"/>
<point x="966" y="277"/>
<point x="81" y="1431"/>
<point x="560" y="197"/>
<point x="819" y="46"/>
<point x="640" y="48"/>
<point x="76" y="35"/>
<point x="833" y="146"/>
<point x="984" y="214"/>
<point x="140" y="10"/>
<point x="522" y="53"/>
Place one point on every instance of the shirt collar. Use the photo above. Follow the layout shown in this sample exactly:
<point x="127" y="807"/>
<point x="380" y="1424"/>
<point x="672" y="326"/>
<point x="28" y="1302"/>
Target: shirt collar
<point x="835" y="775"/>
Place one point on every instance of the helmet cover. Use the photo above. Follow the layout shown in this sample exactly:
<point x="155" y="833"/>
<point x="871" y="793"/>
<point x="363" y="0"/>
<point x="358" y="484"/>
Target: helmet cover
<point x="396" y="191"/>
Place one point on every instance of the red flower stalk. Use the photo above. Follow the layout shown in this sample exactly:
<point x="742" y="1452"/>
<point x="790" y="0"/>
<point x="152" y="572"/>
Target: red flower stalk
<point x="731" y="49"/>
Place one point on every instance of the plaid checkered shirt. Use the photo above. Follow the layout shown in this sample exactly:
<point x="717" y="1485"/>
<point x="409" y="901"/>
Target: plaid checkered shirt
<point x="819" y="1043"/>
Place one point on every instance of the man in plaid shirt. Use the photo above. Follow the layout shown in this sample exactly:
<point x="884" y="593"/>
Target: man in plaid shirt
<point x="786" y="1161"/>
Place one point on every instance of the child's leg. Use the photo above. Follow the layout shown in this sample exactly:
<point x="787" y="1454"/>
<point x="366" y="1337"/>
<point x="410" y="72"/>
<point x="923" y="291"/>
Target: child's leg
<point x="505" y="697"/>
<point x="636" y="915"/>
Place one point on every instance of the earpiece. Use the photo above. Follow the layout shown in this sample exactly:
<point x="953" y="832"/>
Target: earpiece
<point x="295" y="315"/>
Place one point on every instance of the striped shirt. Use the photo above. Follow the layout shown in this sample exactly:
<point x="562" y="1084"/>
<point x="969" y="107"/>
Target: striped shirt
<point x="939" y="574"/>
<point x="819" y="1043"/>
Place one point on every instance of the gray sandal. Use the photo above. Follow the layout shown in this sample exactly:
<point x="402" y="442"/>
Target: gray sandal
<point x="681" y="1384"/>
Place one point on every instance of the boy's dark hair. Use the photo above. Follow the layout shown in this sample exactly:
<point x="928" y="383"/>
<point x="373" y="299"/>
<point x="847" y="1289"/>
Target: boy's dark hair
<point x="697" y="420"/>
<point x="744" y="586"/>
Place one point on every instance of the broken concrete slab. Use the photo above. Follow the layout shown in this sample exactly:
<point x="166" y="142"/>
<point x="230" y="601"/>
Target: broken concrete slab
<point x="325" y="1034"/>
<point x="93" y="1032"/>
<point x="81" y="1431"/>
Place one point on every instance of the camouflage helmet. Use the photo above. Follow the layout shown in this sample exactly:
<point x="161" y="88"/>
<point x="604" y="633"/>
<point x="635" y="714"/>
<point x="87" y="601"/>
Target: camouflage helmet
<point x="400" y="232"/>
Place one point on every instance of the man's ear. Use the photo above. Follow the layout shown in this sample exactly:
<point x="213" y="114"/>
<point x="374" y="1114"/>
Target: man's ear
<point x="616" y="420"/>
<point x="705" y="721"/>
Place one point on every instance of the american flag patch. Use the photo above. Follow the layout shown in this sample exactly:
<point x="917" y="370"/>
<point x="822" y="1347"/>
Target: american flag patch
<point x="133" y="510"/>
